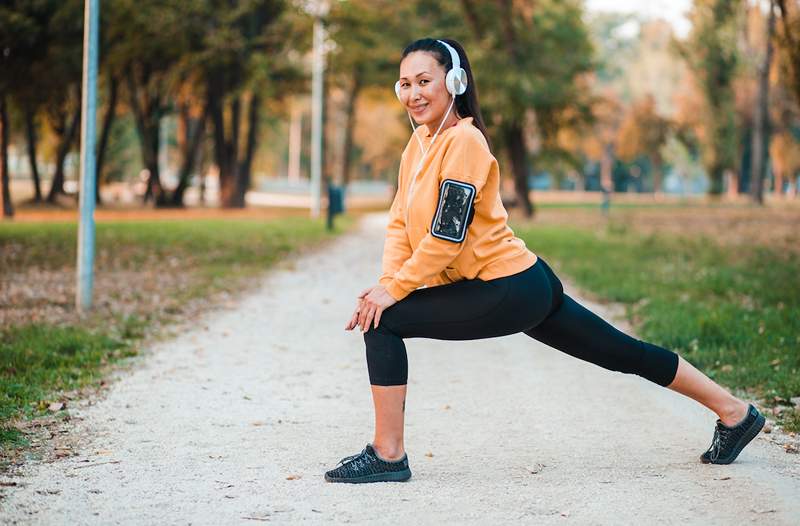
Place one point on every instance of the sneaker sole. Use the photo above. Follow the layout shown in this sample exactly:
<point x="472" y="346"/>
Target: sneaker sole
<point x="392" y="476"/>
<point x="749" y="435"/>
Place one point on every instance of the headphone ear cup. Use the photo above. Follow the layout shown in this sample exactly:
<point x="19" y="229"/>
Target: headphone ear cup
<point x="449" y="82"/>
<point x="459" y="81"/>
<point x="456" y="81"/>
<point x="397" y="90"/>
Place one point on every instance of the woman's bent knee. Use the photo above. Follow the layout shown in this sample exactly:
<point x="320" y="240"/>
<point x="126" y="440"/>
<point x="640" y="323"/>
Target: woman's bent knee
<point x="387" y="361"/>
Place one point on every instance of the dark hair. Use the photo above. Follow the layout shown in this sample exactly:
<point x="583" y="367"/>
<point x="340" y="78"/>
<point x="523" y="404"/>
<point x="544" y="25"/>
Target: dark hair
<point x="466" y="103"/>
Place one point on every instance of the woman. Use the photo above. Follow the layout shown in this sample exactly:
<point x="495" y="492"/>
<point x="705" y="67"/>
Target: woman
<point x="447" y="233"/>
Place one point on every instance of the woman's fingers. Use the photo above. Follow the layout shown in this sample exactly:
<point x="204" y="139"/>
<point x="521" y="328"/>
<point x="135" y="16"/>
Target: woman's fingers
<point x="368" y="318"/>
<point x="378" y="313"/>
<point x="362" y="315"/>
<point x="352" y="322"/>
<point x="353" y="318"/>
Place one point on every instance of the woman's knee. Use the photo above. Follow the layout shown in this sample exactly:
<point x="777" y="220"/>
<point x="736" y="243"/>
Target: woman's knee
<point x="556" y="288"/>
<point x="387" y="361"/>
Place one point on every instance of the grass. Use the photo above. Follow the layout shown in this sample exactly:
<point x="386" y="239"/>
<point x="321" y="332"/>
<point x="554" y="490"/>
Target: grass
<point x="40" y="361"/>
<point x="733" y="312"/>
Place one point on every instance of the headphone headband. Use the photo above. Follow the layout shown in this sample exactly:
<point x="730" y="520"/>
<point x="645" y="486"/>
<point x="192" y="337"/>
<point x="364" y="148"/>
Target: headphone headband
<point x="453" y="54"/>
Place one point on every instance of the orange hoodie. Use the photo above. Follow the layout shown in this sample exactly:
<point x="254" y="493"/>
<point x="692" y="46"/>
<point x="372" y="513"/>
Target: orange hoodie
<point x="412" y="256"/>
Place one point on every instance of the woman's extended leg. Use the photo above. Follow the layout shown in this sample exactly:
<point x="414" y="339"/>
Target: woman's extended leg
<point x="577" y="331"/>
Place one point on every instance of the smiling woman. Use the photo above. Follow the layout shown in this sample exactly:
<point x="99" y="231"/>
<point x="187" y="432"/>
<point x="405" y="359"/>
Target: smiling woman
<point x="454" y="270"/>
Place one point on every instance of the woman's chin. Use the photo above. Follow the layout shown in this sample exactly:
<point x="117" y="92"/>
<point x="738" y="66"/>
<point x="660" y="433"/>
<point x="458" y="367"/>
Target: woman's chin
<point x="426" y="120"/>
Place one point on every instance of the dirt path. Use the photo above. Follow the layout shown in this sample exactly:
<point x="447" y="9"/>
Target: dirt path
<point x="237" y="423"/>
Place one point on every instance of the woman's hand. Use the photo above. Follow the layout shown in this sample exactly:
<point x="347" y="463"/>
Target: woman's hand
<point x="354" y="318"/>
<point x="372" y="302"/>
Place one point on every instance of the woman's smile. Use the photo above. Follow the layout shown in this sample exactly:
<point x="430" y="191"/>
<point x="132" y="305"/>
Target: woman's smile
<point x="419" y="109"/>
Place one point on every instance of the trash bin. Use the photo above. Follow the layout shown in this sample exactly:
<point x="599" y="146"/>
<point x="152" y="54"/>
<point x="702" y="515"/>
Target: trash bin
<point x="335" y="203"/>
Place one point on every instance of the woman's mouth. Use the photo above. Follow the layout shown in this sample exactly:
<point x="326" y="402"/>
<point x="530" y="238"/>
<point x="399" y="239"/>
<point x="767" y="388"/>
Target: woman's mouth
<point x="419" y="109"/>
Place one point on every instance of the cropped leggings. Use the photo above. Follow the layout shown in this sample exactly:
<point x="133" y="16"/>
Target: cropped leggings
<point x="531" y="301"/>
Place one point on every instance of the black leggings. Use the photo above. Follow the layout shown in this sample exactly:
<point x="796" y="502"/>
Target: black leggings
<point x="531" y="301"/>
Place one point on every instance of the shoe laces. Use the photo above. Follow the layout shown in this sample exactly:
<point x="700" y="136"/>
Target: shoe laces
<point x="357" y="458"/>
<point x="718" y="443"/>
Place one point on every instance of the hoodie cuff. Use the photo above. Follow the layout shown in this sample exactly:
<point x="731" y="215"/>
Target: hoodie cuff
<point x="395" y="291"/>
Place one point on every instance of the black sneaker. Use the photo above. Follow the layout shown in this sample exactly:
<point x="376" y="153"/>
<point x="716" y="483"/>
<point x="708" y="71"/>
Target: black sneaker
<point x="367" y="466"/>
<point x="729" y="441"/>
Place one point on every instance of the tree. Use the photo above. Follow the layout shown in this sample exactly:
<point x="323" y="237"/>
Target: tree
<point x="761" y="128"/>
<point x="368" y="45"/>
<point x="531" y="56"/>
<point x="63" y="63"/>
<point x="789" y="40"/>
<point x="711" y="54"/>
<point x="643" y="133"/>
<point x="237" y="45"/>
<point x="8" y="207"/>
<point x="151" y="38"/>
<point x="16" y="36"/>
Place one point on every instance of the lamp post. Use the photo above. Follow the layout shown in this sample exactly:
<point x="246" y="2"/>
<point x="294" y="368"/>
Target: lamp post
<point x="86" y="239"/>
<point x="318" y="9"/>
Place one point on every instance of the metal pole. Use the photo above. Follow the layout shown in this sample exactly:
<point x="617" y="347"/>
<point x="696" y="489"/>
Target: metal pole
<point x="295" y="142"/>
<point x="87" y="183"/>
<point x="316" y="118"/>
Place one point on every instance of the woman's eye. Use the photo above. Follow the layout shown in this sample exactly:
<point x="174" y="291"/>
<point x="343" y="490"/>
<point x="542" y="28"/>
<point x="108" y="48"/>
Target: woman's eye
<point x="423" y="80"/>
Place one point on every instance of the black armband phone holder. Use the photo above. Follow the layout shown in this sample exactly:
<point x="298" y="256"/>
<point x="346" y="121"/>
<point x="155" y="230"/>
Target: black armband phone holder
<point x="454" y="212"/>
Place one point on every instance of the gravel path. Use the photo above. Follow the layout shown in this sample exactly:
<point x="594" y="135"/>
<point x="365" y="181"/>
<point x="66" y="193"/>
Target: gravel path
<point x="235" y="423"/>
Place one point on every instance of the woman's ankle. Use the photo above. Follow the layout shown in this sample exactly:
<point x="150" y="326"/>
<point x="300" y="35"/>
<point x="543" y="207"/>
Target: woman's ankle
<point x="734" y="413"/>
<point x="389" y="452"/>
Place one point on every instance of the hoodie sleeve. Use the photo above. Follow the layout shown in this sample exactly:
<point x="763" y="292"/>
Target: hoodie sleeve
<point x="396" y="246"/>
<point x="465" y="168"/>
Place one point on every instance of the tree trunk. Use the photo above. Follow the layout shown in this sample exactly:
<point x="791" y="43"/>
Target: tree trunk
<point x="245" y="167"/>
<point x="108" y="121"/>
<point x="758" y="167"/>
<point x="658" y="169"/>
<point x="779" y="179"/>
<point x="606" y="168"/>
<point x="147" y="115"/>
<point x="792" y="47"/>
<point x="65" y="144"/>
<point x="193" y="133"/>
<point x="519" y="166"/>
<point x="472" y="18"/>
<point x="30" y="130"/>
<point x="216" y="112"/>
<point x="350" y="120"/>
<point x="226" y="153"/>
<point x="717" y="177"/>
<point x="8" y="207"/>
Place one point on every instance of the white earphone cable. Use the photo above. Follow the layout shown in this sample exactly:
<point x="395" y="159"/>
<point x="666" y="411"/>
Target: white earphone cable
<point x="424" y="153"/>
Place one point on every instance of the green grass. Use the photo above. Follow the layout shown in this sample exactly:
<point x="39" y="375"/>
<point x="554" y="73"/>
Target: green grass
<point x="732" y="312"/>
<point x="39" y="361"/>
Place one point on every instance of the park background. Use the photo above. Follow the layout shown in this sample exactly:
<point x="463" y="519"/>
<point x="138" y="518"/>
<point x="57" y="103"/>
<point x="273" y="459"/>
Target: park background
<point x="652" y="155"/>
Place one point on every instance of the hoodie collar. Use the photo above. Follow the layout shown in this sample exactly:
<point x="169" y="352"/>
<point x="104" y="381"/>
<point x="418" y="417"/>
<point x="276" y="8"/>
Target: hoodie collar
<point x="462" y="122"/>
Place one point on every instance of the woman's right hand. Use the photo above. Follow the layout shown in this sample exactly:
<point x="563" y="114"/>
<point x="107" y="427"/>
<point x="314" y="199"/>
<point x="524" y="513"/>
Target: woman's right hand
<point x="354" y="318"/>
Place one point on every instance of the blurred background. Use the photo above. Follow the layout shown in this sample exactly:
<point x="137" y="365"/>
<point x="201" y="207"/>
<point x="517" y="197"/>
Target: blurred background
<point x="203" y="102"/>
<point x="650" y="151"/>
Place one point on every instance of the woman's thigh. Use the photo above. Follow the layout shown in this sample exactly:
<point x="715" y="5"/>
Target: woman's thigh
<point x="472" y="309"/>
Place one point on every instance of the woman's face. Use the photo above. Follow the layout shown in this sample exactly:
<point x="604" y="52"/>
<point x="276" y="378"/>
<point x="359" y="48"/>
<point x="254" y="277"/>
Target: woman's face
<point x="422" y="88"/>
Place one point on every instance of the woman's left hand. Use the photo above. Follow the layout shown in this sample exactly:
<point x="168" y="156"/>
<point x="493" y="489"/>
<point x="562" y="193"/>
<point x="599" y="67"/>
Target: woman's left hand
<point x="372" y="306"/>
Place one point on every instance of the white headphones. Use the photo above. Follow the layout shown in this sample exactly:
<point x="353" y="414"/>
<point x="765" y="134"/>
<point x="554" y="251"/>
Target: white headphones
<point x="456" y="78"/>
